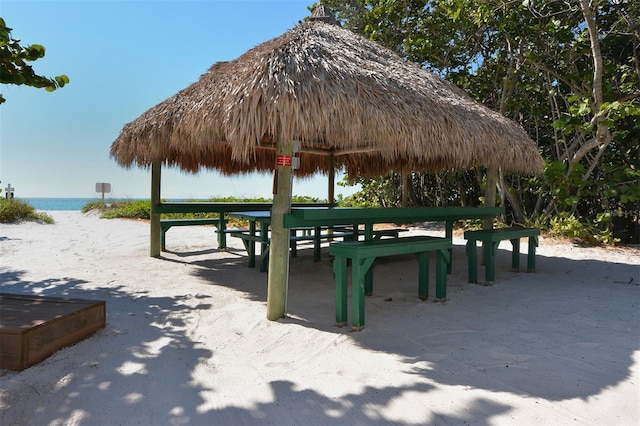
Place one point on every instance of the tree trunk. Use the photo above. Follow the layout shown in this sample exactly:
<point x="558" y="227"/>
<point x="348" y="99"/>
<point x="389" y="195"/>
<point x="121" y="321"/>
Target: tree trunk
<point x="603" y="136"/>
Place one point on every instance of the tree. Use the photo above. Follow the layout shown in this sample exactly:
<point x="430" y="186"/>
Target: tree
<point x="567" y="70"/>
<point x="14" y="67"/>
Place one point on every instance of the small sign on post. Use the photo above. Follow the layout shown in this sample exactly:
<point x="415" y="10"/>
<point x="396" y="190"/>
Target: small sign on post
<point x="103" y="187"/>
<point x="9" y="191"/>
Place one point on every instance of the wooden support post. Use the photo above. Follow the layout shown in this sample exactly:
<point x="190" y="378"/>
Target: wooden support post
<point x="405" y="177"/>
<point x="332" y="182"/>
<point x="279" y="247"/>
<point x="489" y="201"/>
<point x="154" y="243"/>
<point x="490" y="195"/>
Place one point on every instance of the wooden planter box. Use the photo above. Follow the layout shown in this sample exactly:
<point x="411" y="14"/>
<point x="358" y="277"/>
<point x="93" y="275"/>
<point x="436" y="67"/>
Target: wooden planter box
<point x="34" y="327"/>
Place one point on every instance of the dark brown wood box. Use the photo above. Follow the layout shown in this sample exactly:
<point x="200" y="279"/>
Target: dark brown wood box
<point x="34" y="327"/>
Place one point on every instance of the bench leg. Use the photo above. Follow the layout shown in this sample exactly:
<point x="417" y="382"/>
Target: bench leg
<point x="490" y="261"/>
<point x="264" y="249"/>
<point x="316" y="244"/>
<point x="531" y="256"/>
<point x="359" y="270"/>
<point x="423" y="275"/>
<point x="472" y="256"/>
<point x="340" y="271"/>
<point x="163" y="230"/>
<point x="222" y="235"/>
<point x="443" y="259"/>
<point x="293" y="244"/>
<point x="251" y="246"/>
<point x="448" y="233"/>
<point x="515" y="254"/>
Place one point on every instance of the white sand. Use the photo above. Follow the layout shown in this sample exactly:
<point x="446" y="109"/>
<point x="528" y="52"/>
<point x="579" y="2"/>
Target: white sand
<point x="187" y="340"/>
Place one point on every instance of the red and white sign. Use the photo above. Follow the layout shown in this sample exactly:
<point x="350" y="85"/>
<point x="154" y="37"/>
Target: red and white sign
<point x="283" y="160"/>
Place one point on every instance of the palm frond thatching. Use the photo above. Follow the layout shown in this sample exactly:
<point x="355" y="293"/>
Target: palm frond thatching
<point x="342" y="96"/>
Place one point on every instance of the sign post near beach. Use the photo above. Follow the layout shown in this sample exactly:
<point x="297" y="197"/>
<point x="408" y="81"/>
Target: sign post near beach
<point x="103" y="187"/>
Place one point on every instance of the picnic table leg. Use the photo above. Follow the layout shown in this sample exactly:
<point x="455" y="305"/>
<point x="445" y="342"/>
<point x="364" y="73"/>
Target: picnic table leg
<point x="251" y="246"/>
<point x="222" y="235"/>
<point x="515" y="254"/>
<point x="368" y="235"/>
<point x="340" y="271"/>
<point x="490" y="261"/>
<point x="359" y="270"/>
<point x="264" y="247"/>
<point x="423" y="275"/>
<point x="531" y="256"/>
<point x="472" y="255"/>
<point x="293" y="244"/>
<point x="448" y="233"/>
<point x="442" y="260"/>
<point x="316" y="243"/>
<point x="163" y="230"/>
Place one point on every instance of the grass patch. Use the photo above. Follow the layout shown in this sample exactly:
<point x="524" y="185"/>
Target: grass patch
<point x="127" y="209"/>
<point x="16" y="210"/>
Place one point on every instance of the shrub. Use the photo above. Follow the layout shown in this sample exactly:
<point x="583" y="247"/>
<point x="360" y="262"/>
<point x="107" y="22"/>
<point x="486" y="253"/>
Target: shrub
<point x="129" y="209"/>
<point x="94" y="205"/>
<point x="16" y="210"/>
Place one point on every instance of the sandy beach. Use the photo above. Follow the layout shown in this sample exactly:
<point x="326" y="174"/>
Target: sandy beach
<point x="187" y="340"/>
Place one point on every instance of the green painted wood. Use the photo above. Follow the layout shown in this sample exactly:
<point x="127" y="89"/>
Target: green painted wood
<point x="491" y="239"/>
<point x="531" y="255"/>
<point x="370" y="216"/>
<point x="340" y="271"/>
<point x="388" y="247"/>
<point x="442" y="260"/>
<point x="515" y="254"/>
<point x="166" y="224"/>
<point x="223" y="207"/>
<point x="363" y="255"/>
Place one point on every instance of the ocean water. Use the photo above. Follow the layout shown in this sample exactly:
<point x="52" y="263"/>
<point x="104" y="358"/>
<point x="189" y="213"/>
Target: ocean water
<point x="61" y="203"/>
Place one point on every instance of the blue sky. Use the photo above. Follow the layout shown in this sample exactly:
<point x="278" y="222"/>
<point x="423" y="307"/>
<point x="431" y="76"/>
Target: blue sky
<point x="123" y="57"/>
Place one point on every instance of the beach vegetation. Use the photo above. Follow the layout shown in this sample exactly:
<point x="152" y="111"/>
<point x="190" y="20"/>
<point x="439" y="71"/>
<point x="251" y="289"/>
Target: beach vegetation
<point x="127" y="209"/>
<point x="566" y="71"/>
<point x="141" y="209"/>
<point x="13" y="210"/>
<point x="14" y="64"/>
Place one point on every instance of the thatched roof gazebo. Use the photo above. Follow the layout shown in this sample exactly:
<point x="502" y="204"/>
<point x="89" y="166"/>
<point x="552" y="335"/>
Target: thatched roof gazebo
<point x="347" y="101"/>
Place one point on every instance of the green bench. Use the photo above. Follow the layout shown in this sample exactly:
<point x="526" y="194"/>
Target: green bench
<point x="250" y="238"/>
<point x="319" y="233"/>
<point x="363" y="254"/>
<point x="490" y="239"/>
<point x="166" y="224"/>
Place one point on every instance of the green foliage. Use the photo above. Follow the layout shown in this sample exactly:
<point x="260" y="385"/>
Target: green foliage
<point x="15" y="210"/>
<point x="533" y="62"/>
<point x="375" y="192"/>
<point x="94" y="205"/>
<point x="141" y="209"/>
<point x="129" y="209"/>
<point x="595" y="231"/>
<point x="14" y="64"/>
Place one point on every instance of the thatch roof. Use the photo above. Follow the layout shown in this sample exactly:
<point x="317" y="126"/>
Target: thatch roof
<point x="338" y="93"/>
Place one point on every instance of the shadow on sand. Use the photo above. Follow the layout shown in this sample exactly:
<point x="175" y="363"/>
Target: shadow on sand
<point x="507" y="338"/>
